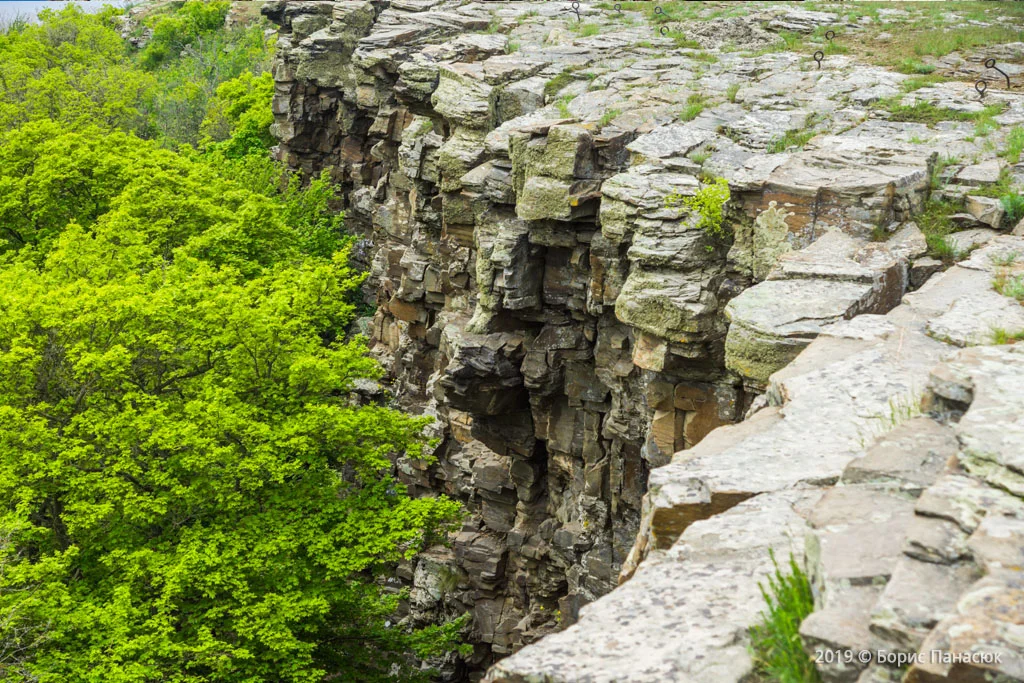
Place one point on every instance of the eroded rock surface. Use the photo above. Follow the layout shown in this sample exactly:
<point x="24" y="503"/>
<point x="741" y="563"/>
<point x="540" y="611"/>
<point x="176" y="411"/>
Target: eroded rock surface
<point x="548" y="290"/>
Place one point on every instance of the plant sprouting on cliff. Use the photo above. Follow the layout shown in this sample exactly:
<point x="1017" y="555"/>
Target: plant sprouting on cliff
<point x="777" y="648"/>
<point x="709" y="204"/>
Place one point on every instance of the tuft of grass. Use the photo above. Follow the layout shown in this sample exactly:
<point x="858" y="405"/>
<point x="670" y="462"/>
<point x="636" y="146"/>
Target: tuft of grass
<point x="1001" y="336"/>
<point x="695" y="104"/>
<point x="914" y="66"/>
<point x="792" y="139"/>
<point x="700" y="157"/>
<point x="939" y="169"/>
<point x="902" y="407"/>
<point x="918" y="82"/>
<point x="936" y="225"/>
<point x="553" y="86"/>
<point x="494" y="26"/>
<point x="1004" y="260"/>
<point x="587" y="30"/>
<point x="681" y="41"/>
<point x="705" y="57"/>
<point x="1014" y="145"/>
<point x="1013" y="204"/>
<point x="730" y="92"/>
<point x="608" y="117"/>
<point x="1009" y="285"/>
<point x="563" y="106"/>
<point x="926" y="112"/>
<point x="778" y="653"/>
<point x="512" y="46"/>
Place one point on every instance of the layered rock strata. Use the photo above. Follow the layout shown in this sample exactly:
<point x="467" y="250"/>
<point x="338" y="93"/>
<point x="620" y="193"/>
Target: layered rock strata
<point x="546" y="289"/>
<point x="910" y="522"/>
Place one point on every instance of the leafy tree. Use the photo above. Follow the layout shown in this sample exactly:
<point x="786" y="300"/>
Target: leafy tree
<point x="239" y="118"/>
<point x="72" y="68"/>
<point x="188" y="490"/>
<point x="174" y="31"/>
<point x="76" y="69"/>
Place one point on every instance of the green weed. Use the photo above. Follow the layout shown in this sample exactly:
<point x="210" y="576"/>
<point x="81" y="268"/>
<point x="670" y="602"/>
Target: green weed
<point x="608" y="117"/>
<point x="1014" y="145"/>
<point x="778" y="653"/>
<point x="695" y="104"/>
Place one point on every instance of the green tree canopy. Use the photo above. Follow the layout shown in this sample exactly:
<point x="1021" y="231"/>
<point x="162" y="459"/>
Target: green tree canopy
<point x="190" y="488"/>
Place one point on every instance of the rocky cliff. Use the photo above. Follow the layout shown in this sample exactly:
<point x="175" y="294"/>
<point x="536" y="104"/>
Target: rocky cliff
<point x="534" y="188"/>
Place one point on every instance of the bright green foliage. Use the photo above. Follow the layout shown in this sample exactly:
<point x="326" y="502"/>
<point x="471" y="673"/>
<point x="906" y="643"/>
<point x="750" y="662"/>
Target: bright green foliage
<point x="189" y="81"/>
<point x="1014" y="145"/>
<point x="777" y="648"/>
<point x="174" y="31"/>
<point x="75" y="69"/>
<point x="1013" y="204"/>
<point x="709" y="203"/>
<point x="188" y="493"/>
<point x="240" y="114"/>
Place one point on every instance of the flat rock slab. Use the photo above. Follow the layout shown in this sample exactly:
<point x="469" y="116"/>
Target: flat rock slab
<point x="962" y="307"/>
<point x="846" y="183"/>
<point x="915" y="599"/>
<point x="684" y="616"/>
<point x="773" y="321"/>
<point x="855" y="538"/>
<point x="910" y="457"/>
<point x="838" y="395"/>
<point x="992" y="431"/>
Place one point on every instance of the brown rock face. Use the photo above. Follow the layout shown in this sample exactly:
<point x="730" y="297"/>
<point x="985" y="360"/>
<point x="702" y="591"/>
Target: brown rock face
<point x="496" y="284"/>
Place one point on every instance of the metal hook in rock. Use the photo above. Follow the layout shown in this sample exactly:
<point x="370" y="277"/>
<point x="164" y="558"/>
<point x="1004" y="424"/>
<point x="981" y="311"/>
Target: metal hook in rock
<point x="981" y="87"/>
<point x="829" y="35"/>
<point x="664" y="30"/>
<point x="818" y="56"/>
<point x="658" y="10"/>
<point x="618" y="8"/>
<point x="991" y="64"/>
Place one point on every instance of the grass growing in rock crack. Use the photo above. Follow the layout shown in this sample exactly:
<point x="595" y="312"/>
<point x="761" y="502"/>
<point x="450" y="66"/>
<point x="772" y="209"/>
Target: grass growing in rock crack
<point x="936" y="225"/>
<point x="939" y="169"/>
<point x="695" y="104"/>
<point x="705" y="57"/>
<point x="562" y="104"/>
<point x="926" y="112"/>
<point x="918" y="82"/>
<point x="793" y="139"/>
<point x="730" y="92"/>
<point x="554" y="85"/>
<point x="1011" y="286"/>
<point x="709" y="204"/>
<point x="1001" y="336"/>
<point x="587" y="30"/>
<point x="1013" y="204"/>
<point x="778" y="653"/>
<point x="608" y="117"/>
<point x="1005" y="280"/>
<point x="1014" y="145"/>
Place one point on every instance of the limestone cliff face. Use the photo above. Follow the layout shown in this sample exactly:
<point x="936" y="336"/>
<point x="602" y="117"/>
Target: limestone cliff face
<point x="543" y="290"/>
<point x="561" y="323"/>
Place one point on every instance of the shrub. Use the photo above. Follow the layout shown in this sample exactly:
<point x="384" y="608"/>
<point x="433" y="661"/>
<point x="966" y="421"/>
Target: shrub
<point x="709" y="204"/>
